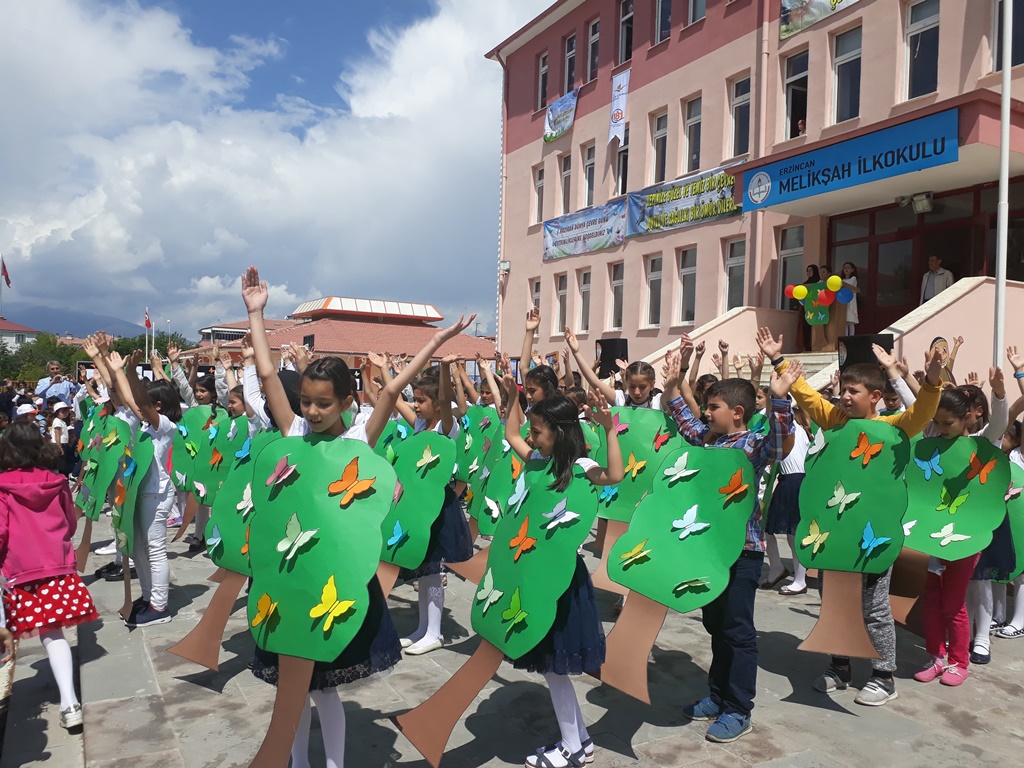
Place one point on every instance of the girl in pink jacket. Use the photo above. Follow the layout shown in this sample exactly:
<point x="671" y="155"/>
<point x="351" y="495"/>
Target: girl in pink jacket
<point x="42" y="593"/>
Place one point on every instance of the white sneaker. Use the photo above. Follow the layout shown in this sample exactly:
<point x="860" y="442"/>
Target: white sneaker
<point x="110" y="549"/>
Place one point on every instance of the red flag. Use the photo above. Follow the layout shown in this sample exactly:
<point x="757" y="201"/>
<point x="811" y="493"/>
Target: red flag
<point x="148" y="324"/>
<point x="3" y="272"/>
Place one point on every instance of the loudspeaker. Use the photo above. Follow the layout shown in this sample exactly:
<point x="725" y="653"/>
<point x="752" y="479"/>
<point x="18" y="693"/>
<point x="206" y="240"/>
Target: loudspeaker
<point x="608" y="350"/>
<point x="857" y="349"/>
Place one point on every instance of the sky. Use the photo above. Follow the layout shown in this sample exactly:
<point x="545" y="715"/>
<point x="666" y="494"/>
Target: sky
<point x="153" y="149"/>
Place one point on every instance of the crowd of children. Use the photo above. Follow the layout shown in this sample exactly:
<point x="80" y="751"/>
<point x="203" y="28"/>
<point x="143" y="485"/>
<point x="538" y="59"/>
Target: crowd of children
<point x="544" y="409"/>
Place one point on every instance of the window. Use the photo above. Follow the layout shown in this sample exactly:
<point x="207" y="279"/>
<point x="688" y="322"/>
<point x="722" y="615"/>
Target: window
<point x="740" y="102"/>
<point x="584" y="283"/>
<point x="622" y="165"/>
<point x="538" y="195"/>
<point x="796" y="95"/>
<point x="535" y="298"/>
<point x="659" y="130"/>
<point x="846" y="75"/>
<point x="593" y="49"/>
<point x="542" y="81"/>
<point x="692" y="127"/>
<point x="589" y="166"/>
<point x="19" y="338"/>
<point x="735" y="274"/>
<point x="615" y="320"/>
<point x="1017" y="47"/>
<point x="663" y="20"/>
<point x="791" y="261"/>
<point x="566" y="183"/>
<point x="562" y="297"/>
<point x="698" y="9"/>
<point x="570" y="63"/>
<point x="653" y="319"/>
<point x="922" y="48"/>
<point x="687" y="285"/>
<point x="625" y="30"/>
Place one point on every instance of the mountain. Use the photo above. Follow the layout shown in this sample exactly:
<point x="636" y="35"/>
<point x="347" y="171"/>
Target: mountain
<point x="64" y="320"/>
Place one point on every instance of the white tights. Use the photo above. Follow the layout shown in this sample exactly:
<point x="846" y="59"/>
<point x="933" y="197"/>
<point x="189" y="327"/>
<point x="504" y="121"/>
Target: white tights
<point x="331" y="712"/>
<point x="431" y="605"/>
<point x="59" y="653"/>
<point x="776" y="566"/>
<point x="979" y="612"/>
<point x="567" y="711"/>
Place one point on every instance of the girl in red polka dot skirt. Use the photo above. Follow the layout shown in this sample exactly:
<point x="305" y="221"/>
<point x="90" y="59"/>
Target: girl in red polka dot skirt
<point x="42" y="593"/>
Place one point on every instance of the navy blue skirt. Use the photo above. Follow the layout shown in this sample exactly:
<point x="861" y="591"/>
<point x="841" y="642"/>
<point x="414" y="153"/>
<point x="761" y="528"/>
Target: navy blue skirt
<point x="575" y="643"/>
<point x="374" y="649"/>
<point x="998" y="560"/>
<point x="450" y="540"/>
<point x="784" y="509"/>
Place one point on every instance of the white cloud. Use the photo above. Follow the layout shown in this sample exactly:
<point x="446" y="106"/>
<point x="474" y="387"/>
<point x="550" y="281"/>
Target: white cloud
<point x="133" y="172"/>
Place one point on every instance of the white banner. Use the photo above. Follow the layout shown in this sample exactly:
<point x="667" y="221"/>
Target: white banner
<point x="620" y="93"/>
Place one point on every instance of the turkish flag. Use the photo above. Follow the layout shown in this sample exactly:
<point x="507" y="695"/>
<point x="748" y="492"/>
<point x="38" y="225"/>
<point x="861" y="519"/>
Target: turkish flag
<point x="3" y="272"/>
<point x="148" y="324"/>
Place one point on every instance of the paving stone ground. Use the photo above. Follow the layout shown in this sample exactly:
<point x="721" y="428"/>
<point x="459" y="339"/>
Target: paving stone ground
<point x="145" y="707"/>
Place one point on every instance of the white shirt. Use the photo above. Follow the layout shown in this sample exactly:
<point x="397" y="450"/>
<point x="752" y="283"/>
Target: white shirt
<point x="654" y="403"/>
<point x="793" y="464"/>
<point x="54" y="426"/>
<point x="421" y="424"/>
<point x="851" y="308"/>
<point x="300" y="428"/>
<point x="157" y="479"/>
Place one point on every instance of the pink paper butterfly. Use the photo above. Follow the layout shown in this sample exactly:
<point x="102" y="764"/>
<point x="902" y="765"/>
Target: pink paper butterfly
<point x="282" y="471"/>
<point x="398" y="492"/>
<point x="619" y="428"/>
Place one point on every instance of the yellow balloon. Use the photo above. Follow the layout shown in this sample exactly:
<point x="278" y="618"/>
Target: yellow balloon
<point x="800" y="292"/>
<point x="834" y="283"/>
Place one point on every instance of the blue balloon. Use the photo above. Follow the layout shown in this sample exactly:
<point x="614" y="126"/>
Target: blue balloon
<point x="844" y="295"/>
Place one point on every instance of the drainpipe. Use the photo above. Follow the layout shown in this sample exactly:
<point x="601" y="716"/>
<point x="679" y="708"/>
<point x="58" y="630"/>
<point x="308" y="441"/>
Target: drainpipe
<point x="1003" y="210"/>
<point x="502" y="277"/>
<point x="759" y="143"/>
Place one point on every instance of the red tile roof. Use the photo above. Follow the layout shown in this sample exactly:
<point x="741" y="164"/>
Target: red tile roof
<point x="7" y="325"/>
<point x="243" y="325"/>
<point x="357" y="337"/>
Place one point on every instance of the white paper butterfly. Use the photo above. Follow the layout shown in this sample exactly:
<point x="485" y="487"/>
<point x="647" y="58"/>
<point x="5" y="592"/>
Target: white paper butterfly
<point x="688" y="524"/>
<point x="678" y="471"/>
<point x="245" y="505"/>
<point x="200" y="488"/>
<point x="515" y="501"/>
<point x="908" y="527"/>
<point x="233" y="430"/>
<point x="492" y="508"/>
<point x="560" y="515"/>
<point x="181" y="477"/>
<point x="294" y="537"/>
<point x="487" y="594"/>
<point x="469" y="441"/>
<point x="474" y="466"/>
<point x="841" y="498"/>
<point x="947" y="535"/>
<point x="817" y="443"/>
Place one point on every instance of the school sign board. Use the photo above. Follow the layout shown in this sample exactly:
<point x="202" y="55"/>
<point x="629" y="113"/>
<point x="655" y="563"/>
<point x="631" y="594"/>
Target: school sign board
<point x="912" y="146"/>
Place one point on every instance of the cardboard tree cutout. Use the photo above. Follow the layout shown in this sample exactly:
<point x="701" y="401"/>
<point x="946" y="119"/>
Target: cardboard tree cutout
<point x="102" y="462"/>
<point x="493" y="484"/>
<point x="185" y="447"/>
<point x="209" y="438"/>
<point x="957" y="490"/>
<point x="394" y="432"/>
<point x="1015" y="512"/>
<point x="479" y="427"/>
<point x="852" y="502"/>
<point x="135" y="465"/>
<point x="683" y="539"/>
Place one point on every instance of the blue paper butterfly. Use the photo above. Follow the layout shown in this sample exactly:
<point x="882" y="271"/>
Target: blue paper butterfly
<point x="464" y="421"/>
<point x="930" y="466"/>
<point x="608" y="493"/>
<point x="870" y="542"/>
<point x="243" y="452"/>
<point x="129" y="466"/>
<point x="213" y="432"/>
<point x="403" y="430"/>
<point x="399" y="535"/>
<point x="183" y="429"/>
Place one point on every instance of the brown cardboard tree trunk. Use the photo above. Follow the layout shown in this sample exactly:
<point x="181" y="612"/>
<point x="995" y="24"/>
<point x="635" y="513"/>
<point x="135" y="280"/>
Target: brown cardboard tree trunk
<point x="629" y="645"/>
<point x="840" y="630"/>
<point x="613" y="531"/>
<point x="202" y="644"/>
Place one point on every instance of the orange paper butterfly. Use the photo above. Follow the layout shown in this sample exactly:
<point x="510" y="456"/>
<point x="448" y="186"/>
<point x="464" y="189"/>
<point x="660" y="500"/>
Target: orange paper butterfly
<point x="209" y="421"/>
<point x="980" y="470"/>
<point x="245" y="549"/>
<point x="350" y="485"/>
<point x="865" y="451"/>
<point x="217" y="458"/>
<point x="736" y="486"/>
<point x="517" y="467"/>
<point x="120" y="493"/>
<point x="522" y="541"/>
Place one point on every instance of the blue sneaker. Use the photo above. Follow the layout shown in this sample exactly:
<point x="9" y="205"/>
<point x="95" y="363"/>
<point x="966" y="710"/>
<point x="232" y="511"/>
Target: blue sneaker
<point x="149" y="616"/>
<point x="705" y="709"/>
<point x="728" y="727"/>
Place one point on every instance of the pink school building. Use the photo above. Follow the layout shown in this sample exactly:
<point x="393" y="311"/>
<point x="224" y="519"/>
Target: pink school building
<point x="761" y="136"/>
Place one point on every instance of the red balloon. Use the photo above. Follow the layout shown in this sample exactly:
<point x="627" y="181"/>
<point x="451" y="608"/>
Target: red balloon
<point x="825" y="298"/>
<point x="789" y="291"/>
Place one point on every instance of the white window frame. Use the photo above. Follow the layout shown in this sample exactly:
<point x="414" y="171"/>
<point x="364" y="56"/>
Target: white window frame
<point x="569" y="63"/>
<point x="593" y="48"/>
<point x="686" y="273"/>
<point x="561" y="313"/>
<point x="782" y="302"/>
<point x="736" y="102"/>
<point x="538" y="194"/>
<point x="626" y="20"/>
<point x="542" y="81"/>
<point x="661" y="34"/>
<point x="589" y="174"/>
<point x="655" y="283"/>
<point x="565" y="173"/>
<point x="791" y="80"/>
<point x="996" y="38"/>
<point x="622" y="165"/>
<point x="584" y="280"/>
<point x="659" y="156"/>
<point x="535" y="302"/>
<point x="690" y="124"/>
<point x="911" y="31"/>
<point x="697" y="7"/>
<point x="616" y="302"/>
<point x="732" y="261"/>
<point x="19" y="338"/>
<point x="838" y="61"/>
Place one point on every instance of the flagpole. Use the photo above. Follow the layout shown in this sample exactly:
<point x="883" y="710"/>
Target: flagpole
<point x="1003" y="207"/>
<point x="145" y="332"/>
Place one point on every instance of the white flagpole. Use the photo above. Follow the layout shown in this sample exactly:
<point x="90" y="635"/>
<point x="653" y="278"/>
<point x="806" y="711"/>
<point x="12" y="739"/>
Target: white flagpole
<point x="145" y="332"/>
<point x="1004" y="186"/>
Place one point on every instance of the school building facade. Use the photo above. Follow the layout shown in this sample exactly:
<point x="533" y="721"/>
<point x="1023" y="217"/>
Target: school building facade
<point x="761" y="136"/>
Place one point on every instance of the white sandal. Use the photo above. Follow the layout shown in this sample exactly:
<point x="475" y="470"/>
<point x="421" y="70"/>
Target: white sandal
<point x="557" y="758"/>
<point x="1010" y="632"/>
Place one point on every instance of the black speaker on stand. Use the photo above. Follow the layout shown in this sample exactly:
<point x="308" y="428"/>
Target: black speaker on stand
<point x="608" y="351"/>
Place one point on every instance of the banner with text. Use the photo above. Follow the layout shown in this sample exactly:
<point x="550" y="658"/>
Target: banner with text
<point x="798" y="15"/>
<point x="560" y="116"/>
<point x="603" y="226"/>
<point x="620" y="94"/>
<point x="682" y="203"/>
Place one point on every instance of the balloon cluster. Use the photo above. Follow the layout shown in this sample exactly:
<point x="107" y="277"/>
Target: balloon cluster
<point x="834" y="291"/>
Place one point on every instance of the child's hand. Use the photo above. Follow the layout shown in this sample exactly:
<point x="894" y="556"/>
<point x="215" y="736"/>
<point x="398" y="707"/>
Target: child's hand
<point x="903" y="367"/>
<point x="116" y="360"/>
<point x="137" y="357"/>
<point x="377" y="359"/>
<point x="537" y="359"/>
<point x="254" y="291"/>
<point x="571" y="340"/>
<point x="834" y="381"/>
<point x="103" y="342"/>
<point x="90" y="348"/>
<point x="886" y="359"/>
<point x="672" y="369"/>
<point x="483" y="365"/>
<point x="449" y="359"/>
<point x="737" y="362"/>
<point x="756" y="361"/>
<point x="303" y="357"/>
<point x="995" y="380"/>
<point x="7" y="641"/>
<point x="699" y="349"/>
<point x="174" y="354"/>
<point x="533" y="319"/>
<point x="248" y="353"/>
<point x="781" y="384"/>
<point x="685" y="351"/>
<point x="154" y="359"/>
<point x="723" y="347"/>
<point x="1015" y="358"/>
<point x="958" y="341"/>
<point x="454" y="330"/>
<point x="767" y="343"/>
<point x="622" y="364"/>
<point x="602" y="413"/>
<point x="716" y="360"/>
<point x="973" y="379"/>
<point x="933" y="367"/>
<point x="556" y="366"/>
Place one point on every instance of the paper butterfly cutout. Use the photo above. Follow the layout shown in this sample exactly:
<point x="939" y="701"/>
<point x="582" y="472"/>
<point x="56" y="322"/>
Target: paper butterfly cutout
<point x="980" y="470"/>
<point x="522" y="543"/>
<point x="429" y="459"/>
<point x="492" y="508"/>
<point x="245" y="548"/>
<point x="216" y="458"/>
<point x="111" y="439"/>
<point x="1012" y="493"/>
<point x="464" y="422"/>
<point x="660" y="439"/>
<point x="213" y="433"/>
<point x="908" y="527"/>
<point x="181" y="476"/>
<point x="95" y="442"/>
<point x="950" y="504"/>
<point x="690" y="584"/>
<point x="215" y="540"/>
<point x="120" y="493"/>
<point x="678" y="471"/>
<point x="865" y="451"/>
<point x="330" y="605"/>
<point x="245" y="506"/>
<point x="200" y="488"/>
<point x="233" y="430"/>
<point x="929" y="467"/>
<point x="282" y="471"/>
<point x="474" y="466"/>
<point x="816" y="537"/>
<point x="485" y="473"/>
<point x="390" y="455"/>
<point x="842" y="499"/>
<point x="243" y="452"/>
<point x="636" y="555"/>
<point x="515" y="501"/>
<point x="398" y="535"/>
<point x="618" y="427"/>
<point x="633" y="466"/>
<point x="506" y="446"/>
<point x="122" y="539"/>
<point x="350" y="486"/>
<point x="264" y="608"/>
<point x="89" y="466"/>
<point x="402" y="430"/>
<point x="608" y="493"/>
<point x="129" y="465"/>
<point x="294" y="537"/>
<point x="487" y="444"/>
<point x="948" y="537"/>
<point x="485" y="422"/>
<point x="688" y="524"/>
<point x="183" y="430"/>
<point x="869" y="542"/>
<point x="560" y="516"/>
<point x="208" y="424"/>
<point x="735" y="488"/>
<point x="514" y="612"/>
<point x="517" y="467"/>
<point x="487" y="594"/>
<point x="191" y="449"/>
<point x="399" y="490"/>
<point x="469" y="441"/>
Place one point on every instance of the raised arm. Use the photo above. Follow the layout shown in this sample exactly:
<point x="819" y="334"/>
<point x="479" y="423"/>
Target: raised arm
<point x="468" y="387"/>
<point x="460" y="390"/>
<point x="588" y="373"/>
<point x="137" y="401"/>
<point x="820" y="410"/>
<point x="1016" y="361"/>
<point x="613" y="471"/>
<point x="532" y="324"/>
<point x="514" y="418"/>
<point x="255" y="295"/>
<point x="444" y="394"/>
<point x="698" y="353"/>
